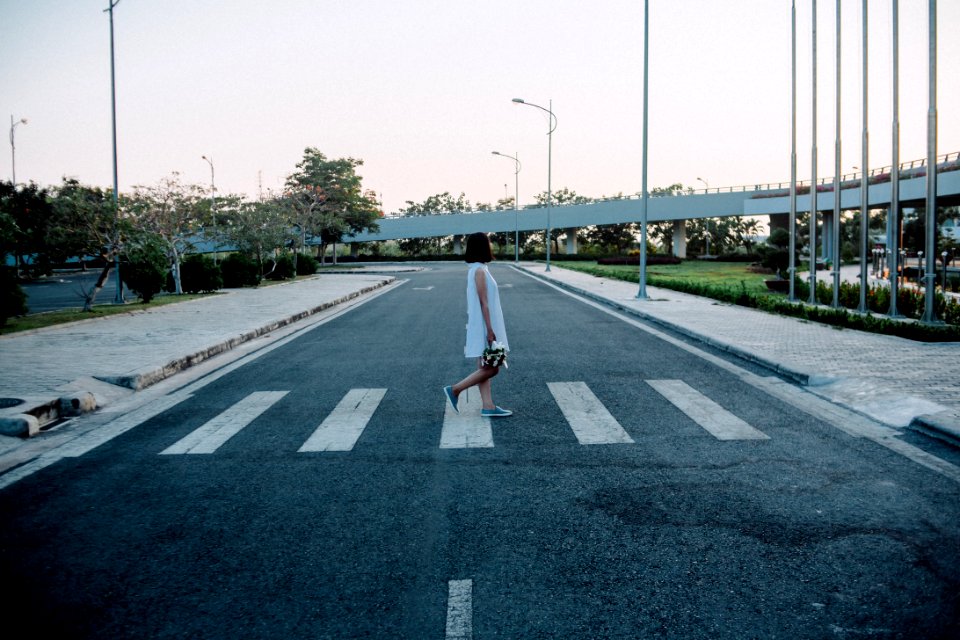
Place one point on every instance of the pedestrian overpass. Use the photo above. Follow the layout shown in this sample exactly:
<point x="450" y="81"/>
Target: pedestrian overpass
<point x="757" y="200"/>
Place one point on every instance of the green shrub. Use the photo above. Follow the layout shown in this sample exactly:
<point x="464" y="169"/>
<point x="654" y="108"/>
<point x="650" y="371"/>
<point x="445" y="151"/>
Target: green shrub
<point x="847" y="252"/>
<point x="13" y="301"/>
<point x="238" y="270"/>
<point x="145" y="270"/>
<point x="199" y="274"/>
<point x="307" y="265"/>
<point x="282" y="268"/>
<point x="775" y="253"/>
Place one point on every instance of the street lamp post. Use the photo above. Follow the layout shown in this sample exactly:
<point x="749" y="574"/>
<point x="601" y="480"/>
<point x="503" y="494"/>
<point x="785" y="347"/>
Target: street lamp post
<point x="213" y="210"/>
<point x="792" y="268"/>
<point x="116" y="197"/>
<point x="645" y="194"/>
<point x="13" y="148"/>
<point x="837" y="211"/>
<point x="516" y="205"/>
<point x="929" y="306"/>
<point x="552" y="125"/>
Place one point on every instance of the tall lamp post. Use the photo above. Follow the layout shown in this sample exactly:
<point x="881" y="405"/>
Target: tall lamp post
<point x="13" y="148"/>
<point x="553" y="125"/>
<point x="929" y="308"/>
<point x="116" y="197"/>
<point x="645" y="195"/>
<point x="213" y="210"/>
<point x="516" y="205"/>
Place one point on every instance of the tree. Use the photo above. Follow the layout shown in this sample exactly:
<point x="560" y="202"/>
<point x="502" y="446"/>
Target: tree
<point x="662" y="232"/>
<point x="439" y="204"/>
<point x="12" y="298"/>
<point x="775" y="254"/>
<point x="746" y="231"/>
<point x="618" y="237"/>
<point x="326" y="200"/>
<point x="560" y="198"/>
<point x="257" y="229"/>
<point x="87" y="224"/>
<point x="500" y="238"/>
<point x="29" y="209"/>
<point x="172" y="211"/>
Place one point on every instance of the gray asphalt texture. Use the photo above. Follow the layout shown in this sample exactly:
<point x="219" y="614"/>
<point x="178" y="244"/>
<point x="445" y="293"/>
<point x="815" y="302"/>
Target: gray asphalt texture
<point x="810" y="534"/>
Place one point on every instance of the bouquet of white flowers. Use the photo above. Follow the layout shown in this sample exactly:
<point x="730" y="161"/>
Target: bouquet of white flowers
<point x="494" y="355"/>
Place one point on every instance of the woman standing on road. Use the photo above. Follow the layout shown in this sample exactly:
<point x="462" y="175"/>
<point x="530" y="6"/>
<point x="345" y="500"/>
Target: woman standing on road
<point x="484" y="326"/>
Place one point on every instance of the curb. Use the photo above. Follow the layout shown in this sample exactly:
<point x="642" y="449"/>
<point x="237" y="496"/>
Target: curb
<point x="33" y="419"/>
<point x="942" y="426"/>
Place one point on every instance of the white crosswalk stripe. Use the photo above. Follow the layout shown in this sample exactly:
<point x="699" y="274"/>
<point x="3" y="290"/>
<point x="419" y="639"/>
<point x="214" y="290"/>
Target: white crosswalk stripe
<point x="459" y="610"/>
<point x="722" y="424"/>
<point x="586" y="415"/>
<point x="467" y="429"/>
<point x="589" y="419"/>
<point x="343" y="427"/>
<point x="209" y="437"/>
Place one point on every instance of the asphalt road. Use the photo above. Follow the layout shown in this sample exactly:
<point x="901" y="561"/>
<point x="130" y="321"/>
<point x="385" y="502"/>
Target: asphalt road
<point x="792" y="529"/>
<point x="66" y="291"/>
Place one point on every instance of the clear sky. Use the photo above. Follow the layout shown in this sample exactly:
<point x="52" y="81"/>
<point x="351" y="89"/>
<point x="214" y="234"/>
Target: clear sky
<point x="421" y="91"/>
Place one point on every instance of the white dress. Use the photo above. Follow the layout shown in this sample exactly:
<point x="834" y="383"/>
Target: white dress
<point x="476" y="328"/>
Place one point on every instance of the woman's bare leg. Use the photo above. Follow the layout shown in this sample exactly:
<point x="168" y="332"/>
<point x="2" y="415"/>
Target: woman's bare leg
<point x="480" y="378"/>
<point x="486" y="395"/>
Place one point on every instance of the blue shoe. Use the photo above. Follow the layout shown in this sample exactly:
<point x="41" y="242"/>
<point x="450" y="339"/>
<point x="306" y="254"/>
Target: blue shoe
<point x="496" y="412"/>
<point x="452" y="399"/>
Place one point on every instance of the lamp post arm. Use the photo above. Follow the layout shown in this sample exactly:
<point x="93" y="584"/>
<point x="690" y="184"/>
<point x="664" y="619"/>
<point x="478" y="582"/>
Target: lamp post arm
<point x="553" y="117"/>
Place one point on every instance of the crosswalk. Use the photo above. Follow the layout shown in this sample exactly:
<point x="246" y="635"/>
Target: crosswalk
<point x="586" y="415"/>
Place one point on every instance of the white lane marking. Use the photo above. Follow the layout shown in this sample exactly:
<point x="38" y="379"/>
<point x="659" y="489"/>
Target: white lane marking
<point x="92" y="439"/>
<point x="722" y="424"/>
<point x="460" y="610"/>
<point x="430" y="288"/>
<point x="209" y="437"/>
<point x="342" y="428"/>
<point x="589" y="419"/>
<point x="468" y="429"/>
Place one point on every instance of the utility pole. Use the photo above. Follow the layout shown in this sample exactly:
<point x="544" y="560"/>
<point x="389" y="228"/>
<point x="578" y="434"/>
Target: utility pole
<point x="929" y="308"/>
<point x="116" y="198"/>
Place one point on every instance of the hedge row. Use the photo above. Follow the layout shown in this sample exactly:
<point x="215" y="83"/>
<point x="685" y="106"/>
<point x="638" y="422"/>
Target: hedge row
<point x="909" y="302"/>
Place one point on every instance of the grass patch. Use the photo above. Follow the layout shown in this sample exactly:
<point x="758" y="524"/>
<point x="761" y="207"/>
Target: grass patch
<point x="732" y="283"/>
<point x="736" y="275"/>
<point x="52" y="318"/>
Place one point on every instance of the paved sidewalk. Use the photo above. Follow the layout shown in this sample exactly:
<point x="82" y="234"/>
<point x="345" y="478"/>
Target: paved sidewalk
<point x="92" y="360"/>
<point x="895" y="381"/>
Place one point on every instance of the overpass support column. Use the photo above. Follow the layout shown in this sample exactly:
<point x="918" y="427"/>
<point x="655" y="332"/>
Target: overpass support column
<point x="354" y="249"/>
<point x="571" y="242"/>
<point x="458" y="245"/>
<point x="680" y="239"/>
<point x="826" y="235"/>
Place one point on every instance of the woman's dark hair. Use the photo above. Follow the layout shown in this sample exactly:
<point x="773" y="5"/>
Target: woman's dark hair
<point x="478" y="248"/>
